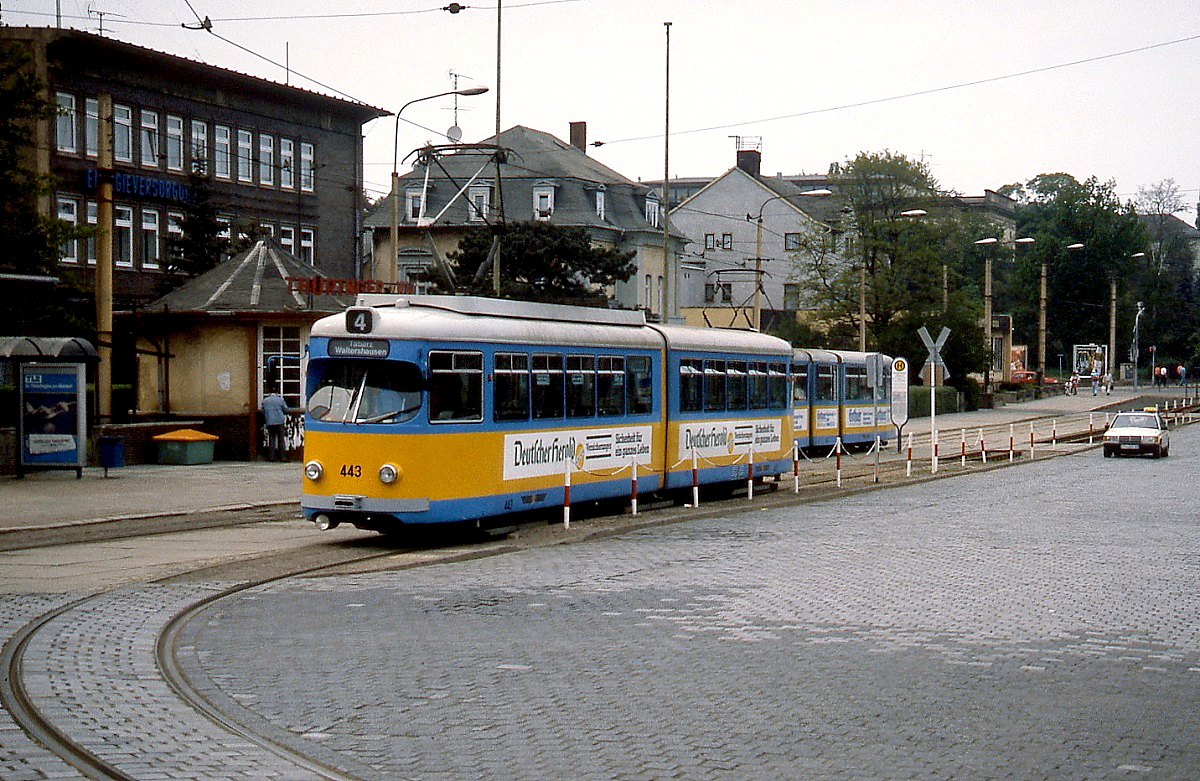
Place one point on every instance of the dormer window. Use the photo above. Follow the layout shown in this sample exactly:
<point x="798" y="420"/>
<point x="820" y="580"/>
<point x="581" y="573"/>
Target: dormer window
<point x="479" y="202"/>
<point x="543" y="201"/>
<point x="652" y="210"/>
<point x="415" y="204"/>
<point x="600" y="205"/>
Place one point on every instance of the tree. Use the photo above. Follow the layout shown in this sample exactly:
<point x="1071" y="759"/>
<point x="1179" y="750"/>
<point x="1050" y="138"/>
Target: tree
<point x="201" y="245"/>
<point x="32" y="241"/>
<point x="540" y="261"/>
<point x="1057" y="210"/>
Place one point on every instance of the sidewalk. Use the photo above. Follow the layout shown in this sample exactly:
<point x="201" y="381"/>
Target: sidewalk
<point x="56" y="498"/>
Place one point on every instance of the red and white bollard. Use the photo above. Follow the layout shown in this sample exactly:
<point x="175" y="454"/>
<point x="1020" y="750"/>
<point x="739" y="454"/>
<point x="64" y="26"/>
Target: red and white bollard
<point x="1054" y="434"/>
<point x="964" y="447"/>
<point x="750" y="473"/>
<point x="633" y="487"/>
<point x="982" y="447"/>
<point x="1011" y="443"/>
<point x="695" y="480"/>
<point x="795" y="468"/>
<point x="837" y="447"/>
<point x="1092" y="425"/>
<point x="1030" y="441"/>
<point x="908" y="465"/>
<point x="567" y="495"/>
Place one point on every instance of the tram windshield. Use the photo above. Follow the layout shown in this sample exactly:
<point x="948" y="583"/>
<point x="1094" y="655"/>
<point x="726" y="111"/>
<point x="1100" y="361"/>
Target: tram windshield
<point x="362" y="391"/>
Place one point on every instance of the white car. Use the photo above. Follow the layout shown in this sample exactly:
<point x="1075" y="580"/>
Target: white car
<point x="1137" y="433"/>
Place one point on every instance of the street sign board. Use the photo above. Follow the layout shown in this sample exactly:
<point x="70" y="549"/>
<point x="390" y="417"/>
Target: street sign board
<point x="899" y="392"/>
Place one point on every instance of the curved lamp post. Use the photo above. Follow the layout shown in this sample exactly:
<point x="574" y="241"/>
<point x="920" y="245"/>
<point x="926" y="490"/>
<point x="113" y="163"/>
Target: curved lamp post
<point x="987" y="300"/>
<point x="758" y="220"/>
<point x="390" y="274"/>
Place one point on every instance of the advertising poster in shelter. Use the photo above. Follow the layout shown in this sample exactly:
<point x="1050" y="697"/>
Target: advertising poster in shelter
<point x="52" y="418"/>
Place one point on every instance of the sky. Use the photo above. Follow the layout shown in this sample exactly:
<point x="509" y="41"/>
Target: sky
<point x="986" y="93"/>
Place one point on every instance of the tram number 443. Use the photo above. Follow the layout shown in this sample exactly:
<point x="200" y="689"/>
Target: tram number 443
<point x="351" y="470"/>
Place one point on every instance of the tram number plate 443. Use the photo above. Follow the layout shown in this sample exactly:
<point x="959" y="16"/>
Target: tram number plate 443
<point x="351" y="470"/>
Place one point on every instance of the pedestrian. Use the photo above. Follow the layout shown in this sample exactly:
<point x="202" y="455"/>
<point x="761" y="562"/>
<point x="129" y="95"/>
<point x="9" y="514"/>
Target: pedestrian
<point x="1095" y="384"/>
<point x="1108" y="383"/>
<point x="1182" y="372"/>
<point x="274" y="410"/>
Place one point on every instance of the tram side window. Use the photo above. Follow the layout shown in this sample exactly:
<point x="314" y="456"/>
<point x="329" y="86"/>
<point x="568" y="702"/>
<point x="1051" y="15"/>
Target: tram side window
<point x="856" y="384"/>
<point x="799" y="386"/>
<point x="758" y="385"/>
<point x="455" y="386"/>
<point x="510" y="400"/>
<point x="777" y="386"/>
<point x="581" y="386"/>
<point x="737" y="384"/>
<point x="691" y="385"/>
<point x="610" y="385"/>
<point x="547" y="386"/>
<point x="826" y="386"/>
<point x="639" y="385"/>
<point x="714" y="386"/>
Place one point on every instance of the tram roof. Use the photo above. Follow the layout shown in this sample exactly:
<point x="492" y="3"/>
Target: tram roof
<point x="729" y="340"/>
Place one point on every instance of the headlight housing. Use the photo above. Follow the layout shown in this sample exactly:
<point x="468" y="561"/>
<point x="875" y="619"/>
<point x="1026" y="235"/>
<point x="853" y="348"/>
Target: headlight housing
<point x="313" y="470"/>
<point x="388" y="474"/>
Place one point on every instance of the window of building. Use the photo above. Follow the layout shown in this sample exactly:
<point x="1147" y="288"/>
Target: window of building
<point x="68" y="211"/>
<point x="600" y="203"/>
<point x="66" y="137"/>
<point x="791" y="242"/>
<point x="308" y="178"/>
<point x="266" y="159"/>
<point x="726" y="241"/>
<point x="581" y="386"/>
<point x="543" y="202"/>
<point x="455" y="386"/>
<point x="652" y="210"/>
<point x="710" y="241"/>
<point x="122" y="133"/>
<point x="92" y="212"/>
<point x="415" y="274"/>
<point x="222" y="152"/>
<point x="122" y="241"/>
<point x="791" y="295"/>
<point x="479" y="201"/>
<point x="150" y="239"/>
<point x="718" y="293"/>
<point x="287" y="238"/>
<point x="308" y="244"/>
<point x="510" y="399"/>
<point x="174" y="143"/>
<point x="245" y="156"/>
<point x="416" y="204"/>
<point x="547" y="386"/>
<point x="649" y="293"/>
<point x="287" y="163"/>
<point x="91" y="127"/>
<point x="199" y="148"/>
<point x="149" y="138"/>
<point x="282" y="351"/>
<point x="174" y="232"/>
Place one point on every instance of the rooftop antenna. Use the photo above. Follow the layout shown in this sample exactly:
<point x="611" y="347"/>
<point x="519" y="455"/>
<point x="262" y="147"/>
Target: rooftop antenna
<point x="455" y="133"/>
<point x="101" y="14"/>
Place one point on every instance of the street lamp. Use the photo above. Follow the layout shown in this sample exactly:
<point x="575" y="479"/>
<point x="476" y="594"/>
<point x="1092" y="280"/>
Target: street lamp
<point x="758" y="220"/>
<point x="1137" y="321"/>
<point x="987" y="300"/>
<point x="390" y="275"/>
<point x="1042" y="310"/>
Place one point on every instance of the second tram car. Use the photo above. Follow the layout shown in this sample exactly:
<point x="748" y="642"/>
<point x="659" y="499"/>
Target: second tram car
<point x="833" y="400"/>
<point x="440" y="409"/>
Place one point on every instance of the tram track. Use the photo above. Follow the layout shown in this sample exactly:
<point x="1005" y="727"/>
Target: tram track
<point x="228" y="727"/>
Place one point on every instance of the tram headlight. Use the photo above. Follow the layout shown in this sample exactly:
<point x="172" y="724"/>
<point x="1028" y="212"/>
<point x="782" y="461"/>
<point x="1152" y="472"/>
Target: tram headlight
<point x="388" y="474"/>
<point x="313" y="470"/>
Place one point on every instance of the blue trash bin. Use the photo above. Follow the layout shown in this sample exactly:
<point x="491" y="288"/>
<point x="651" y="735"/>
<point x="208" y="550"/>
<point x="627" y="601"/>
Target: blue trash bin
<point x="112" y="452"/>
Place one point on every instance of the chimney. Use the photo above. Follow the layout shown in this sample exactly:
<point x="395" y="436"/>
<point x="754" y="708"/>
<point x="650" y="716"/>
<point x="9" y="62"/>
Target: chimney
<point x="749" y="160"/>
<point x="579" y="136"/>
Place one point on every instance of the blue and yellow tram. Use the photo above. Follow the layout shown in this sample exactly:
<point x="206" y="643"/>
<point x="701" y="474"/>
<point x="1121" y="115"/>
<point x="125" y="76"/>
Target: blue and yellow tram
<point x="438" y="409"/>
<point x="832" y="399"/>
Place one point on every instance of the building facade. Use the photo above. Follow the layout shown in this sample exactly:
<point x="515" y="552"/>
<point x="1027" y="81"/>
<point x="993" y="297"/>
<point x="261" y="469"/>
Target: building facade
<point x="282" y="160"/>
<point x="542" y="178"/>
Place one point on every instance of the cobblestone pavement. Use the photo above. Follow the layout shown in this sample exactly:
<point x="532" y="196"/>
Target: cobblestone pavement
<point x="1032" y="623"/>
